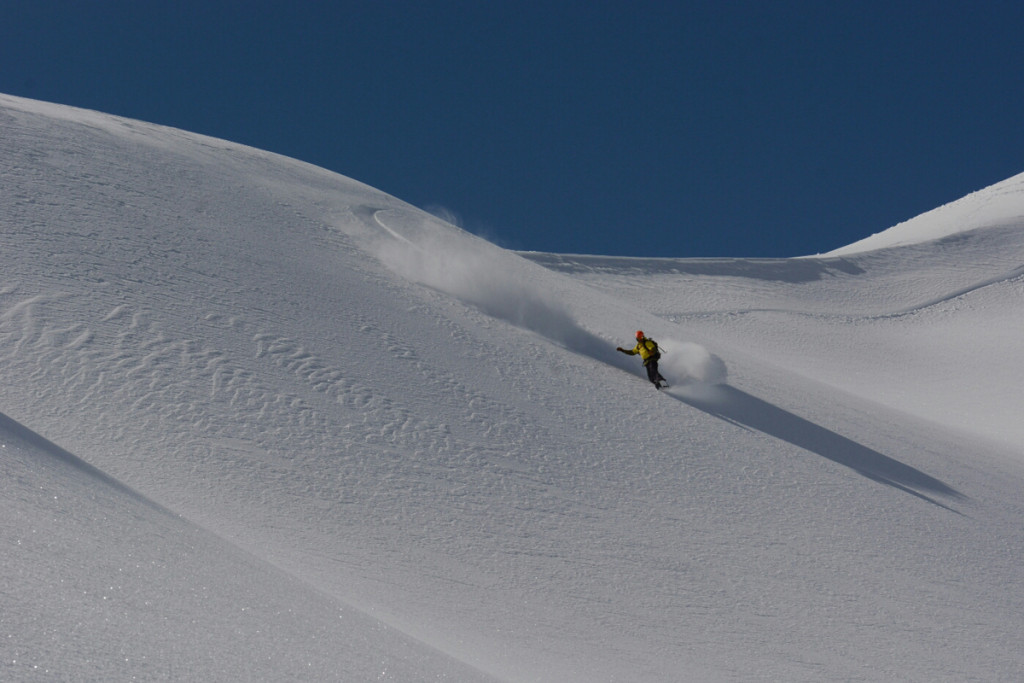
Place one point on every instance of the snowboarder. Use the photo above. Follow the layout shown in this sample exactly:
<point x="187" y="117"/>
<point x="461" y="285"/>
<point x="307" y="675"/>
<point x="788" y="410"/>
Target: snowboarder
<point x="649" y="353"/>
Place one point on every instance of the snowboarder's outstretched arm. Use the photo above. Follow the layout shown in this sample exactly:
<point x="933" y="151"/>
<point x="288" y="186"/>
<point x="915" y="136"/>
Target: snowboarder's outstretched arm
<point x="628" y="352"/>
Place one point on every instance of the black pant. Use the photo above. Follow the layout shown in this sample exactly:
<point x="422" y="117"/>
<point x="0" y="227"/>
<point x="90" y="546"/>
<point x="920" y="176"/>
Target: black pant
<point x="652" y="372"/>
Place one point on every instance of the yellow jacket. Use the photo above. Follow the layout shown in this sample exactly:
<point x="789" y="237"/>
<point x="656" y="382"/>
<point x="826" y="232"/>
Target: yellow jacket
<point x="647" y="348"/>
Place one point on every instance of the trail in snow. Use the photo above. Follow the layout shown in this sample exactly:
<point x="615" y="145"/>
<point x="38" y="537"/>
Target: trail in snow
<point x="499" y="284"/>
<point x="484" y="276"/>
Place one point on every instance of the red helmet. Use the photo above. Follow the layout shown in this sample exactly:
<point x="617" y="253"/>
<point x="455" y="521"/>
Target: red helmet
<point x="639" y="334"/>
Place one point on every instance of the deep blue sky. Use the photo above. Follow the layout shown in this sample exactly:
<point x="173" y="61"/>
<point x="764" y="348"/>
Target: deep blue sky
<point x="665" y="128"/>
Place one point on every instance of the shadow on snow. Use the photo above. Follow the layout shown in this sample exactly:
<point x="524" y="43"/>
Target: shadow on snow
<point x="47" y="450"/>
<point x="742" y="409"/>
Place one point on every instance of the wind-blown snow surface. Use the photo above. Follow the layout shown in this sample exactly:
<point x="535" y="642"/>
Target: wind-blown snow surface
<point x="263" y="422"/>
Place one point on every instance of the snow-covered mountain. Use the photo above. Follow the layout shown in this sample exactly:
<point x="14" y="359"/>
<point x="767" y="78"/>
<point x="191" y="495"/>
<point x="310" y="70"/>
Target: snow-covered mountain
<point x="263" y="422"/>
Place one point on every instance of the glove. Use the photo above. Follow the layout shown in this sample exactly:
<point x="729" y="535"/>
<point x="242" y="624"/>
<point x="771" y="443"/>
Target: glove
<point x="619" y="348"/>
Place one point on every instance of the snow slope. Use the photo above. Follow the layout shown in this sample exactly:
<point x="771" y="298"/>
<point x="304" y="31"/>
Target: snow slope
<point x="102" y="584"/>
<point x="994" y="207"/>
<point x="265" y="422"/>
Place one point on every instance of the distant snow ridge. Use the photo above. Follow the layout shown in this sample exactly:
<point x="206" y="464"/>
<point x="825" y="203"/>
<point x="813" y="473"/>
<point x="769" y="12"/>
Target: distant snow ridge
<point x="997" y="205"/>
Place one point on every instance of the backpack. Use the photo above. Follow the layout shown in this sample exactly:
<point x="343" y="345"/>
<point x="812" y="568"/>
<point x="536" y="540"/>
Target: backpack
<point x="656" y="350"/>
